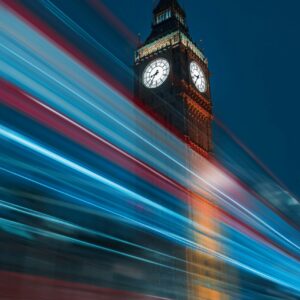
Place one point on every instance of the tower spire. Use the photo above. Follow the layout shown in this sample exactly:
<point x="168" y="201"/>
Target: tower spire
<point x="165" y="4"/>
<point x="168" y="16"/>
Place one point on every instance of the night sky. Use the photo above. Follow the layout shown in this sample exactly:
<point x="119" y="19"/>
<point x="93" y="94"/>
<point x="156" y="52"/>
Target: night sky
<point x="253" y="50"/>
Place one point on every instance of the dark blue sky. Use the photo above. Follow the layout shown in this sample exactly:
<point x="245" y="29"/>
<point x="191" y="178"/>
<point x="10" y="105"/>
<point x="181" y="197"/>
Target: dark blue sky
<point x="253" y="48"/>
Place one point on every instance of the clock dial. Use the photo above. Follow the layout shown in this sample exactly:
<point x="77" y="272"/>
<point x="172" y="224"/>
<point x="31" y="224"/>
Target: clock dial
<point x="198" y="77"/>
<point x="156" y="73"/>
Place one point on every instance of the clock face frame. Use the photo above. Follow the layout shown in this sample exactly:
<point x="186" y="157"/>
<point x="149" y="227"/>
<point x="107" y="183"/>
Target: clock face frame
<point x="198" y="77"/>
<point x="156" y="73"/>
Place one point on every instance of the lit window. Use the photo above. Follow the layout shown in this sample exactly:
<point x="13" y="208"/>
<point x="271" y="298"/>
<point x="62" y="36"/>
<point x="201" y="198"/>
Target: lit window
<point x="179" y="18"/>
<point x="163" y="16"/>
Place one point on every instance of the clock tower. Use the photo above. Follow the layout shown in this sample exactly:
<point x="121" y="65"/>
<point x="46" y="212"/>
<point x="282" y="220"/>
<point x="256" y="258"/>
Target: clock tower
<point x="172" y="78"/>
<point x="172" y="84"/>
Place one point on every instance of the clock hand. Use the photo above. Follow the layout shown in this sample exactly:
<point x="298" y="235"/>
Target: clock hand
<point x="153" y="75"/>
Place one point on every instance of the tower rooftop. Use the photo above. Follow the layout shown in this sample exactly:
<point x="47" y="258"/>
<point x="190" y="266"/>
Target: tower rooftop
<point x="168" y="16"/>
<point x="165" y="4"/>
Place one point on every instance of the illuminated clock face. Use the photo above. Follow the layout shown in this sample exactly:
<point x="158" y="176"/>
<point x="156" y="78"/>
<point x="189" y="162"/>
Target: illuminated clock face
<point x="198" y="77"/>
<point x="156" y="73"/>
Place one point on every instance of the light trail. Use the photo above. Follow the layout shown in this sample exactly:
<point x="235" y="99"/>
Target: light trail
<point x="84" y="243"/>
<point x="163" y="153"/>
<point x="195" y="225"/>
<point x="81" y="32"/>
<point x="158" y="149"/>
<point x="23" y="105"/>
<point x="19" y="139"/>
<point x="80" y="102"/>
<point x="42" y="216"/>
<point x="178" y="239"/>
<point x="50" y="110"/>
<point x="210" y="186"/>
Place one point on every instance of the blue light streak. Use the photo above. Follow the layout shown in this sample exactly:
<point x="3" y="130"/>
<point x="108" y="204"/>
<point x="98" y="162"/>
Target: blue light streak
<point x="71" y="90"/>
